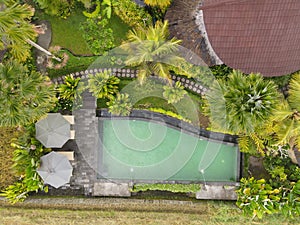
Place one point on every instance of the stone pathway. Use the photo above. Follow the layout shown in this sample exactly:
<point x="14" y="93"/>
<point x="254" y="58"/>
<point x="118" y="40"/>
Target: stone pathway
<point x="189" y="84"/>
<point x="44" y="41"/>
<point x="84" y="147"/>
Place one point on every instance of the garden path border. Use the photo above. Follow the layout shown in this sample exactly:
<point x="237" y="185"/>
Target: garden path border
<point x="188" y="83"/>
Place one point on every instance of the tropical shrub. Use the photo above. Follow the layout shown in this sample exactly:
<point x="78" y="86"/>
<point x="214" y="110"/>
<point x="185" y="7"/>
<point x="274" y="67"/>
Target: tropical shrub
<point x="157" y="8"/>
<point x="287" y="118"/>
<point x="61" y="8"/>
<point x="175" y="188"/>
<point x="7" y="176"/>
<point x="108" y="6"/>
<point x="169" y="113"/>
<point x="257" y="198"/>
<point x="281" y="194"/>
<point x="281" y="170"/>
<point x="69" y="94"/>
<point x="26" y="159"/>
<point x="132" y="14"/>
<point x="174" y="93"/>
<point x="221" y="71"/>
<point x="25" y="95"/>
<point x="160" y="3"/>
<point x="120" y="105"/>
<point x="103" y="85"/>
<point x="87" y="3"/>
<point x="98" y="35"/>
<point x="95" y="13"/>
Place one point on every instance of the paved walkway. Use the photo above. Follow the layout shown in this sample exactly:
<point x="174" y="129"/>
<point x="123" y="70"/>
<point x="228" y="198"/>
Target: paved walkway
<point x="44" y="41"/>
<point x="189" y="84"/>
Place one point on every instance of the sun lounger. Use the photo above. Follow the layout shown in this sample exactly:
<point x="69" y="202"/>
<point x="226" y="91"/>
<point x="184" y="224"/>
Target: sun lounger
<point x="70" y="119"/>
<point x="68" y="154"/>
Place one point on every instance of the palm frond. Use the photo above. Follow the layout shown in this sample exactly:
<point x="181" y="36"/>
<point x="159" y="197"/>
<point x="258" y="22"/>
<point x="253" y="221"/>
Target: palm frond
<point x="244" y="143"/>
<point x="258" y="143"/>
<point x="294" y="92"/>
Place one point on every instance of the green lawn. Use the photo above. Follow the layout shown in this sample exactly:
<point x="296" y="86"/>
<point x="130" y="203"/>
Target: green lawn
<point x="119" y="28"/>
<point x="66" y="32"/>
<point x="127" y="212"/>
<point x="150" y="96"/>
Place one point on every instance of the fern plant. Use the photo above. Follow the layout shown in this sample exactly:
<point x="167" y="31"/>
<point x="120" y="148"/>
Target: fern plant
<point x="174" y="93"/>
<point x="103" y="85"/>
<point x="120" y="105"/>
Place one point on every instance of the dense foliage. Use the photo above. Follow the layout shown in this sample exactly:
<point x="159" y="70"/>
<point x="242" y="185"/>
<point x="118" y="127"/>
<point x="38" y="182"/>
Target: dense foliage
<point x="151" y="52"/>
<point x="174" y="93"/>
<point x="169" y="113"/>
<point x="281" y="194"/>
<point x="287" y="117"/>
<point x="7" y="176"/>
<point x="16" y="29"/>
<point x="98" y="35"/>
<point x="241" y="103"/>
<point x="103" y="85"/>
<point x="69" y="94"/>
<point x="61" y="8"/>
<point x="25" y="95"/>
<point x="26" y="159"/>
<point x="120" y="105"/>
<point x="132" y="14"/>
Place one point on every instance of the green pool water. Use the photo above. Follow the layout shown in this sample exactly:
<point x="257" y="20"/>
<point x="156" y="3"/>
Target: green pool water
<point x="143" y="150"/>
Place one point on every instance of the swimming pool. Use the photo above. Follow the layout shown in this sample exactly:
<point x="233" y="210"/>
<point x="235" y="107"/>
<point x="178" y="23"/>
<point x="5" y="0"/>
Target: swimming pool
<point x="141" y="150"/>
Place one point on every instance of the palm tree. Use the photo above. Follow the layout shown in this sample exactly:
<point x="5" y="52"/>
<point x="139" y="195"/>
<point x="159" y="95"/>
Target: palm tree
<point x="15" y="29"/>
<point x="174" y="93"/>
<point x="68" y="89"/>
<point x="241" y="103"/>
<point x="69" y="93"/>
<point x="150" y="51"/>
<point x="103" y="85"/>
<point x="120" y="105"/>
<point x="287" y="118"/>
<point x="25" y="96"/>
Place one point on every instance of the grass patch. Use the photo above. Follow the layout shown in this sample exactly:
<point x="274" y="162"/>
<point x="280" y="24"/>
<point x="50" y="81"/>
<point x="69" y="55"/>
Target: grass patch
<point x="66" y="33"/>
<point x="127" y="212"/>
<point x="119" y="28"/>
<point x="7" y="176"/>
<point x="189" y="107"/>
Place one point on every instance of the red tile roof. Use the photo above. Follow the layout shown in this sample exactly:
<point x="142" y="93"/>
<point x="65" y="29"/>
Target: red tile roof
<point x="255" y="35"/>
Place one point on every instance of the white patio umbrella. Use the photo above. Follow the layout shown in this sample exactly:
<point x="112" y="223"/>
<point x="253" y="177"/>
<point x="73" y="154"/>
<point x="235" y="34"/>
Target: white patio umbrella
<point x="55" y="169"/>
<point x="53" y="131"/>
